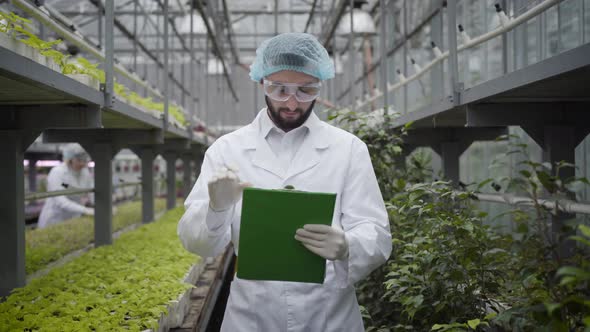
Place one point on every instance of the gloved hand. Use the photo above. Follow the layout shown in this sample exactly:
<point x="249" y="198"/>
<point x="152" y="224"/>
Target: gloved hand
<point x="325" y="241"/>
<point x="225" y="189"/>
<point x="114" y="210"/>
<point x="89" y="211"/>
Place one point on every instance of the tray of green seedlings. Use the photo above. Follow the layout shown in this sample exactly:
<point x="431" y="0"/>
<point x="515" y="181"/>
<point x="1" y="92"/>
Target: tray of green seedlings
<point x="47" y="245"/>
<point x="130" y="285"/>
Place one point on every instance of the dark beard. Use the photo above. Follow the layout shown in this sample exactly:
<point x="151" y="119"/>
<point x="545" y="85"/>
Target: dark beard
<point x="285" y="125"/>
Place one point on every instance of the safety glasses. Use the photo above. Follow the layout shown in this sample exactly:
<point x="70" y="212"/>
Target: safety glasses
<point x="282" y="91"/>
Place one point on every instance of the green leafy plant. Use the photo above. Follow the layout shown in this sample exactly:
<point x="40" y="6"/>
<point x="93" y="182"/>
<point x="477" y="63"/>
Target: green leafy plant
<point x="470" y="325"/>
<point x="448" y="266"/>
<point x="537" y="300"/>
<point x="384" y="141"/>
<point x="57" y="56"/>
<point x="90" y="69"/>
<point x="46" y="245"/>
<point x="38" y="43"/>
<point x="574" y="281"/>
<point x="13" y="24"/>
<point x="124" y="286"/>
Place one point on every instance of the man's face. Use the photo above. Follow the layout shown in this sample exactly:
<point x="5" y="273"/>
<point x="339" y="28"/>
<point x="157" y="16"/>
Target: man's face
<point x="291" y="113"/>
<point x="78" y="164"/>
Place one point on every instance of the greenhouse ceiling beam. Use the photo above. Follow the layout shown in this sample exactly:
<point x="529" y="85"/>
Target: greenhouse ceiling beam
<point x="182" y="13"/>
<point x="181" y="50"/>
<point x="178" y="34"/>
<point x="230" y="32"/>
<point x="95" y="17"/>
<point x="332" y="24"/>
<point x="310" y="17"/>
<point x="134" y="39"/>
<point x="245" y="35"/>
<point x="216" y="48"/>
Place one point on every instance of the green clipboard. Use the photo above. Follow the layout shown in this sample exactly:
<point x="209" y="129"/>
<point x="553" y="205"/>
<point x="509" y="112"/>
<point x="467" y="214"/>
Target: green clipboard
<point x="267" y="249"/>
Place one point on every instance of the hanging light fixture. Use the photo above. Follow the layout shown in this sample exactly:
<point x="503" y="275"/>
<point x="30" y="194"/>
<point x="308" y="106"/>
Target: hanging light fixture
<point x="362" y="21"/>
<point x="364" y="26"/>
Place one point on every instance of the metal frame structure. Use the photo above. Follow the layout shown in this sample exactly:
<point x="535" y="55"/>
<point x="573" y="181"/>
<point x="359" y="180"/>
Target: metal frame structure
<point x="40" y="100"/>
<point x="37" y="100"/>
<point x="547" y="99"/>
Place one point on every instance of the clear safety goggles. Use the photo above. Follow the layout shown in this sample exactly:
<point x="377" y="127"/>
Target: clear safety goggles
<point x="283" y="91"/>
<point x="82" y="157"/>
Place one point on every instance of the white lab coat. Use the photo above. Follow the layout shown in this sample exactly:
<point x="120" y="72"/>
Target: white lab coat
<point x="60" y="208"/>
<point x="329" y="160"/>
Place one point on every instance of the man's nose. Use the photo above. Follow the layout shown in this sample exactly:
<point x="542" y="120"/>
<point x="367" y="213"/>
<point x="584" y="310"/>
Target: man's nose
<point x="292" y="103"/>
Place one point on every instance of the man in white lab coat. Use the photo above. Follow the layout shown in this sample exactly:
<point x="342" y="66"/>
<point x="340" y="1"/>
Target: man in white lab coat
<point x="71" y="173"/>
<point x="287" y="144"/>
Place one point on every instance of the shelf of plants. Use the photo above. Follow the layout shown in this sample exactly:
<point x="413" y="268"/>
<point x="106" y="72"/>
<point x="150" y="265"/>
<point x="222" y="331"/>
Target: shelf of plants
<point x="47" y="245"/>
<point x="33" y="70"/>
<point x="142" y="281"/>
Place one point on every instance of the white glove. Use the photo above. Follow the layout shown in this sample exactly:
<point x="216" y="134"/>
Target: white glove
<point x="88" y="211"/>
<point x="225" y="189"/>
<point x="114" y="210"/>
<point x="325" y="241"/>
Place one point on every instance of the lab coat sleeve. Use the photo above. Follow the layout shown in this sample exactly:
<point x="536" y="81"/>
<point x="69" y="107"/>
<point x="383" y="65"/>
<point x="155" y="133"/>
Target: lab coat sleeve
<point x="364" y="220"/>
<point x="54" y="183"/>
<point x="201" y="230"/>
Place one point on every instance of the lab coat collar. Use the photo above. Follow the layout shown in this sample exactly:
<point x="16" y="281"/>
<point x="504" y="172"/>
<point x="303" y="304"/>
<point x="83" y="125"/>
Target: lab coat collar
<point x="260" y="127"/>
<point x="306" y="157"/>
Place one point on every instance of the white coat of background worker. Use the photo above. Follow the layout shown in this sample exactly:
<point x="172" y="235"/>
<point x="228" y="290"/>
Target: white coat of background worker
<point x="287" y="144"/>
<point x="71" y="173"/>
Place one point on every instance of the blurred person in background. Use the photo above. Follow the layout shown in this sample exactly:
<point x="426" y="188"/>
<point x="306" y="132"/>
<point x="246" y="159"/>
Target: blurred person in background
<point x="72" y="173"/>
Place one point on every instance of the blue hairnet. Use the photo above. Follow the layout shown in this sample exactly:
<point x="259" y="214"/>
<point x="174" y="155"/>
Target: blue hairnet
<point x="73" y="150"/>
<point x="300" y="52"/>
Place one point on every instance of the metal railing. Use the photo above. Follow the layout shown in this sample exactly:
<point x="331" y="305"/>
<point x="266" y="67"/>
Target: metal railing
<point x="72" y="191"/>
<point x="563" y="205"/>
<point x="506" y="24"/>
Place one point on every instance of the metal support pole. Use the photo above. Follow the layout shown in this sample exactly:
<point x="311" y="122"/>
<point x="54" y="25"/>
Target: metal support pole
<point x="192" y="103"/>
<point x="99" y="27"/>
<point x="405" y="58"/>
<point x="109" y="56"/>
<point x="170" y="180"/>
<point x="276" y="15"/>
<point x="453" y="64"/>
<point x="450" y="154"/>
<point x="102" y="154"/>
<point x="135" y="40"/>
<point x="187" y="175"/>
<point x="437" y="73"/>
<point x="504" y="46"/>
<point x="146" y="77"/>
<point x="384" y="67"/>
<point x="166" y="66"/>
<point x="12" y="214"/>
<point x="560" y="145"/>
<point x="351" y="59"/>
<point x="159" y="47"/>
<point x="32" y="175"/>
<point x="182" y="79"/>
<point x="147" y="156"/>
